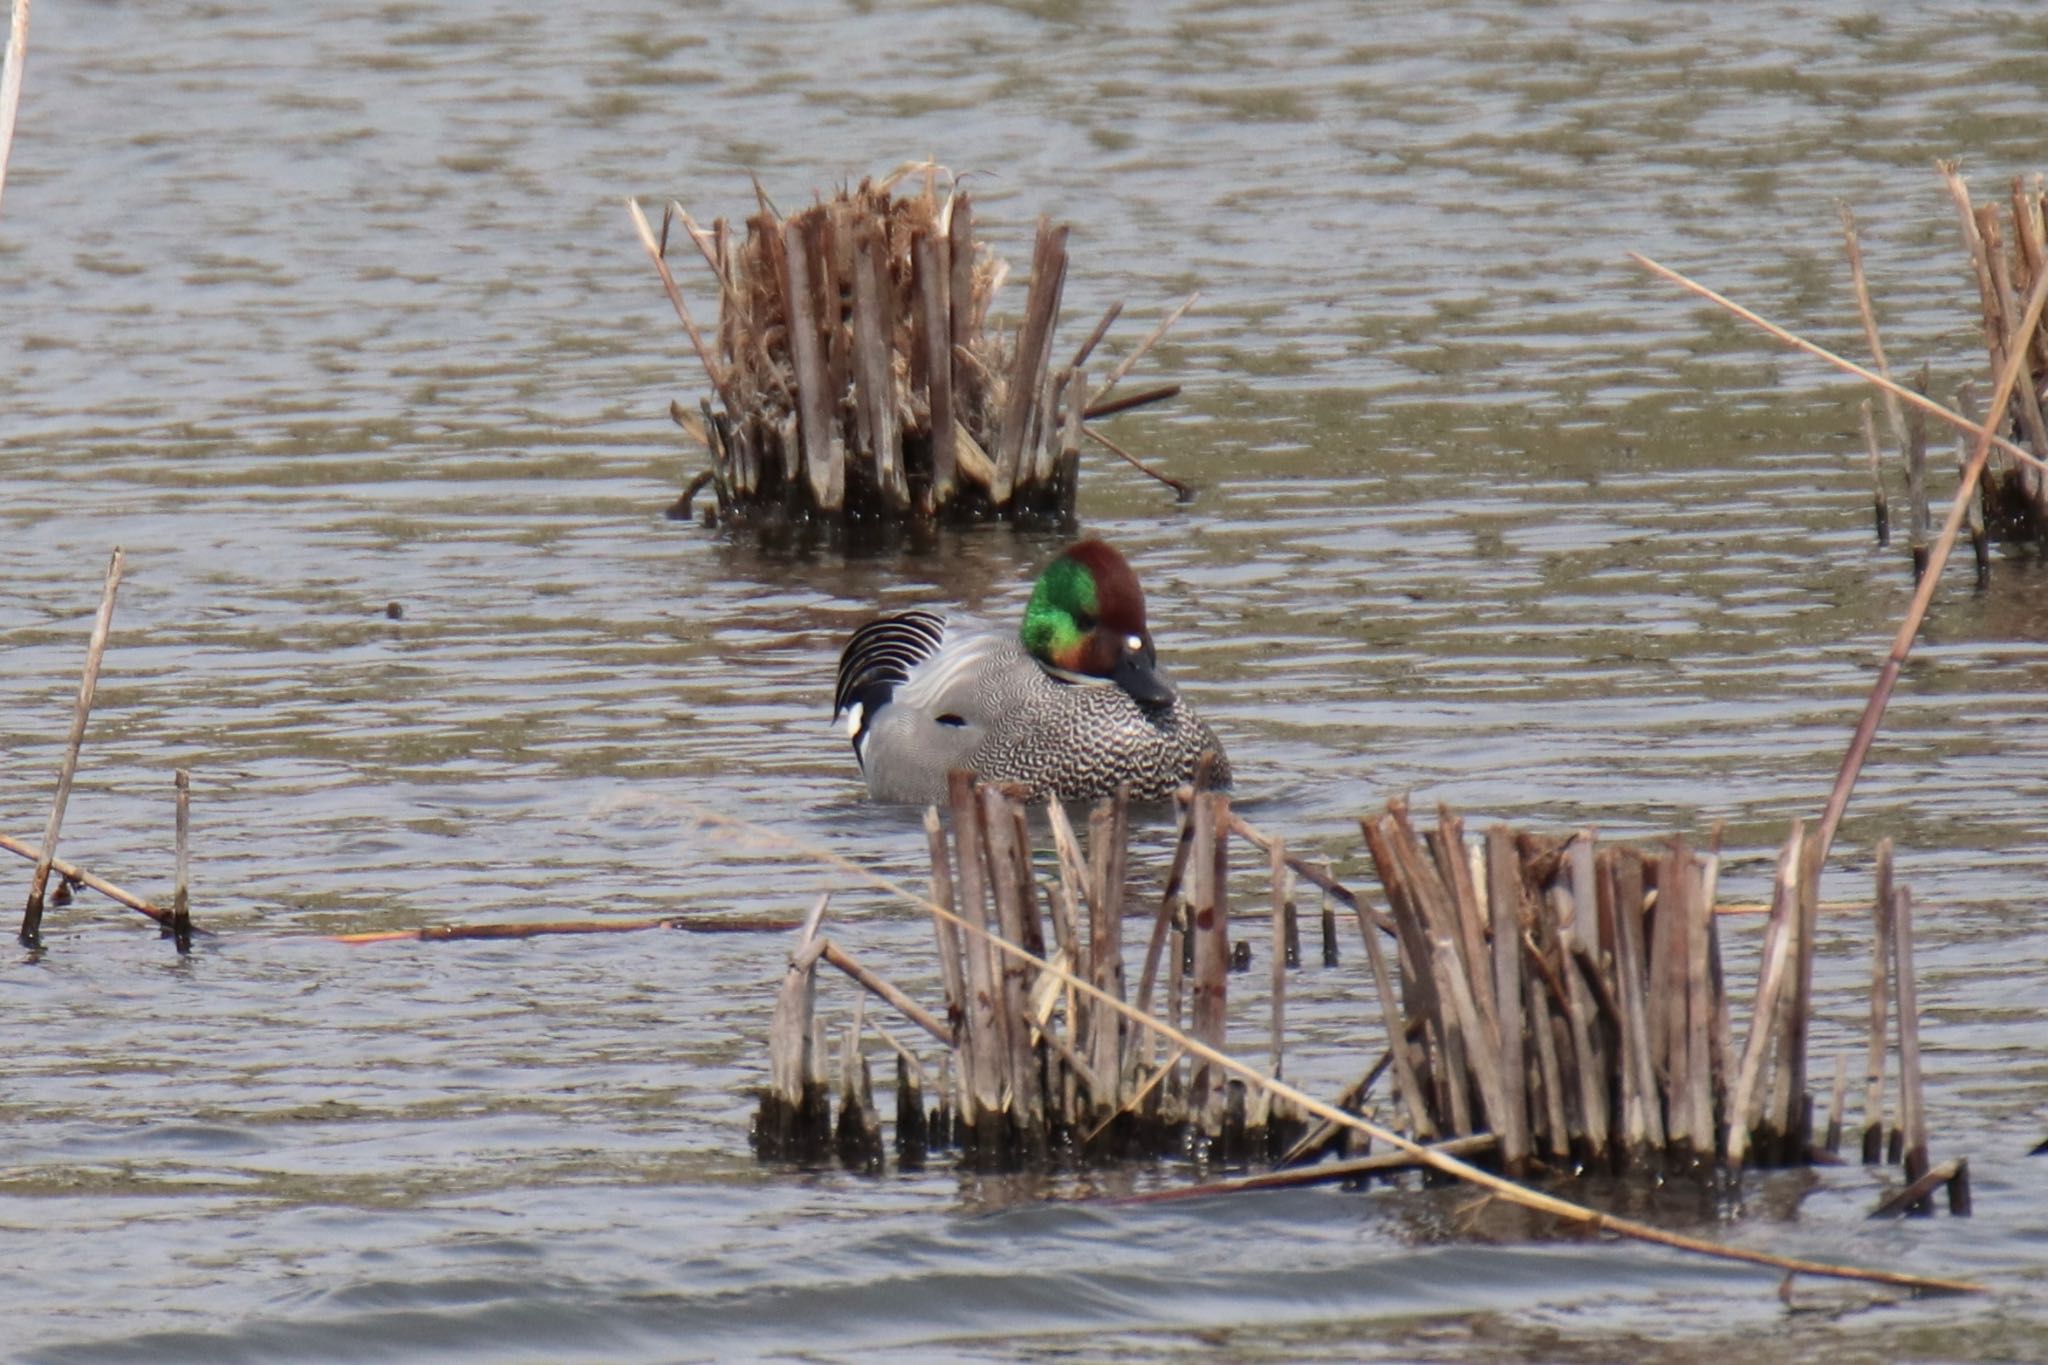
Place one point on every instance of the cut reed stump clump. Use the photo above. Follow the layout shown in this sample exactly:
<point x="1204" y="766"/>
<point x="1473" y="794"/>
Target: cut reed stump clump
<point x="1554" y="1006"/>
<point x="1033" y="1074"/>
<point x="860" y="383"/>
<point x="1612" y="1040"/>
<point x="2007" y="255"/>
<point x="2007" y="248"/>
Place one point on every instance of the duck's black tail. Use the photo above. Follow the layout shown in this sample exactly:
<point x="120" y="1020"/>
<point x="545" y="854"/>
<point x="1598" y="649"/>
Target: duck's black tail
<point x="878" y="659"/>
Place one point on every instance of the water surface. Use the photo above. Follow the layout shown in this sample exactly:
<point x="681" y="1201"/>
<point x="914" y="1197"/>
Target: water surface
<point x="320" y="309"/>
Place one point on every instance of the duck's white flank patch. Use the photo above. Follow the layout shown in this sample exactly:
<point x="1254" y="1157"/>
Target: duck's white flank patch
<point x="1134" y="642"/>
<point x="853" y="716"/>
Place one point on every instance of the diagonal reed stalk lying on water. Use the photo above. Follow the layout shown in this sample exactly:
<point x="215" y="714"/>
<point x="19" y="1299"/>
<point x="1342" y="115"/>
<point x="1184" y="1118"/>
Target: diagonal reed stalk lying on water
<point x="1436" y="1160"/>
<point x="1985" y="435"/>
<point x="1327" y="1173"/>
<point x="72" y="873"/>
<point x="444" y="933"/>
<point x="1910" y="397"/>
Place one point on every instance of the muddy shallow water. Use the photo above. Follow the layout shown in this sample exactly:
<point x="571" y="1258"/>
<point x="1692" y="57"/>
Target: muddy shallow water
<point x="322" y="309"/>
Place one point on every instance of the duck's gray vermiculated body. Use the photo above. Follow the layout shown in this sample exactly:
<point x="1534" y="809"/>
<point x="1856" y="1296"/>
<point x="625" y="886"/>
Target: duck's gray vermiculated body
<point x="959" y="695"/>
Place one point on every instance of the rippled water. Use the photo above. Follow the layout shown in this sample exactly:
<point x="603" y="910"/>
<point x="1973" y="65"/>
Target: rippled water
<point x="320" y="309"/>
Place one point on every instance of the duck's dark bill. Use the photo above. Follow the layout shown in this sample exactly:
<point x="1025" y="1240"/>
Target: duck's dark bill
<point x="1138" y="676"/>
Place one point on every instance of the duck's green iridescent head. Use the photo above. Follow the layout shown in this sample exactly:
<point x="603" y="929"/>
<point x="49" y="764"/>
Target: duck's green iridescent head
<point x="1086" y="618"/>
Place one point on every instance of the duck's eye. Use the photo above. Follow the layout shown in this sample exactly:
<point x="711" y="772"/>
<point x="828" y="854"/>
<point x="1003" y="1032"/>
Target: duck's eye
<point x="1083" y="620"/>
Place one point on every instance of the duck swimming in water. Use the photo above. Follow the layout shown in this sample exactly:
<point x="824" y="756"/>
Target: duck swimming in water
<point x="1072" y="705"/>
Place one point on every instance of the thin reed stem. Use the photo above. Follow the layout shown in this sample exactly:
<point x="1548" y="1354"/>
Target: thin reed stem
<point x="712" y="370"/>
<point x="1124" y="366"/>
<point x="95" y="650"/>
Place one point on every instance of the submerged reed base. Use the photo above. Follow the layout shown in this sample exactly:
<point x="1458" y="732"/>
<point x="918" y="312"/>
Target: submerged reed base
<point x="1560" y="1004"/>
<point x="860" y="385"/>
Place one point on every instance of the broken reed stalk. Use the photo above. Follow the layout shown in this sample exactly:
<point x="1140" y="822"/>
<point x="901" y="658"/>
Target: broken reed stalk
<point x="1881" y="511"/>
<point x="1880" y="963"/>
<point x="859" y="1136"/>
<point x="1095" y="412"/>
<point x="71" y="872"/>
<point x="797" y="1114"/>
<point x="32" y="915"/>
<point x="999" y="946"/>
<point x="1918" y="518"/>
<point x="1914" y="1197"/>
<point x="1283" y="887"/>
<point x="181" y="897"/>
<point x="1184" y="492"/>
<point x="1980" y="537"/>
<point x="1894" y="417"/>
<point x="885" y="990"/>
<point x="657" y="253"/>
<point x="1210" y="929"/>
<point x="1124" y="366"/>
<point x="10" y="81"/>
<point x="1986" y="438"/>
<point x="1912" y="1117"/>
<point x="1108" y="852"/>
<point x="860" y="380"/>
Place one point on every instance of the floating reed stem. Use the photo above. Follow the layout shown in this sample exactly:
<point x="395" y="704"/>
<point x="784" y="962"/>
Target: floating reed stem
<point x="454" y="933"/>
<point x="32" y="915"/>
